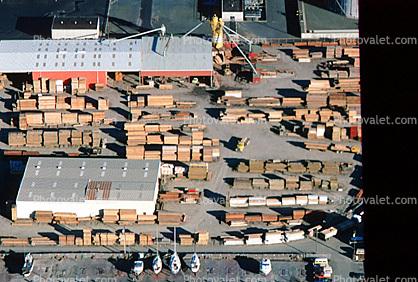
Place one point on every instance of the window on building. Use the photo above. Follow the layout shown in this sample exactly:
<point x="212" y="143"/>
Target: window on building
<point x="38" y="56"/>
<point x="56" y="64"/>
<point x="130" y="55"/>
<point x="98" y="64"/>
<point x="63" y="64"/>
<point x="37" y="64"/>
<point x="113" y="56"/>
<point x="82" y="64"/>
<point x="44" y="64"/>
<point x="94" y="64"/>
<point x="75" y="64"/>
<point x="99" y="56"/>
<point x="45" y="56"/>
<point x="113" y="64"/>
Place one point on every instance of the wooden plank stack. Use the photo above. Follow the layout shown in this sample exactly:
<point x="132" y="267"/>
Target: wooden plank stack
<point x="26" y="104"/>
<point x="50" y="138"/>
<point x="291" y="102"/>
<point x="126" y="238"/>
<point x="186" y="239"/>
<point x="34" y="138"/>
<point x="43" y="216"/>
<point x="256" y="166"/>
<point x="198" y="171"/>
<point x="202" y="237"/>
<point x="276" y="184"/>
<point x="103" y="104"/>
<point x="127" y="216"/>
<point x="135" y="152"/>
<point x="169" y="218"/>
<point x="110" y="215"/>
<point x="146" y="219"/>
<point x="78" y="103"/>
<point x="242" y="183"/>
<point x="145" y="239"/>
<point x="42" y="241"/>
<point x="16" y="139"/>
<point x="52" y="118"/>
<point x="316" y="99"/>
<point x="160" y="101"/>
<point x="14" y="242"/>
<point x="65" y="218"/>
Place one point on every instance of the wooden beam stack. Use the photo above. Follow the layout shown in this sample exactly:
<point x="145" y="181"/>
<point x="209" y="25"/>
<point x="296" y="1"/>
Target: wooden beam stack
<point x="198" y="171"/>
<point x="43" y="216"/>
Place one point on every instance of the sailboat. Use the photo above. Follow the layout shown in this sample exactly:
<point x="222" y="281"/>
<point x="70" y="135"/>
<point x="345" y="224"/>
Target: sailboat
<point x="138" y="266"/>
<point x="157" y="263"/>
<point x="175" y="263"/>
<point x="265" y="266"/>
<point x="195" y="263"/>
<point x="28" y="265"/>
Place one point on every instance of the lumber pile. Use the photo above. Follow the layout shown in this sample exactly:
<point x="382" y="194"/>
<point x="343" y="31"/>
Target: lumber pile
<point x="46" y="102"/>
<point x="103" y="104"/>
<point x="271" y="166"/>
<point x="264" y="102"/>
<point x="146" y="219"/>
<point x="316" y="99"/>
<point x="254" y="239"/>
<point x="87" y="236"/>
<point x="165" y="101"/>
<point x="202" y="237"/>
<point x="317" y="146"/>
<point x="145" y="239"/>
<point x="296" y="167"/>
<point x="169" y="218"/>
<point x="14" y="242"/>
<point x="34" y="138"/>
<point x="22" y="221"/>
<point x="337" y="99"/>
<point x="242" y="183"/>
<point x="16" y="139"/>
<point x="186" y="239"/>
<point x="65" y="218"/>
<point x="300" y="53"/>
<point x="198" y="171"/>
<point x="110" y="215"/>
<point x="127" y="216"/>
<point x="291" y="102"/>
<point x="43" y="216"/>
<point x="42" y="241"/>
<point x="256" y="166"/>
<point x="26" y="104"/>
<point x="292" y="182"/>
<point x="276" y="184"/>
<point x="78" y="103"/>
<point x="126" y="238"/>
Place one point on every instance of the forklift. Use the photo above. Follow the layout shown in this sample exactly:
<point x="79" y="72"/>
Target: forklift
<point x="242" y="144"/>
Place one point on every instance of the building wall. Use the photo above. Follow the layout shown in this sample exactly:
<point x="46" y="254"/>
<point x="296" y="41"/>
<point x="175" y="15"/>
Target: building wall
<point x="176" y="73"/>
<point x="83" y="209"/>
<point x="92" y="77"/>
<point x="75" y="33"/>
<point x="239" y="16"/>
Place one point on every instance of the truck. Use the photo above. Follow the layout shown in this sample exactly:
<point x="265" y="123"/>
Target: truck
<point x="242" y="144"/>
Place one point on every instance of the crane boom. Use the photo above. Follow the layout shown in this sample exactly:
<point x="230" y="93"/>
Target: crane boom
<point x="162" y="29"/>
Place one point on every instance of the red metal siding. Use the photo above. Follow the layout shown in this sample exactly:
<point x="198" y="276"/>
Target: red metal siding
<point x="176" y="73"/>
<point x="92" y="77"/>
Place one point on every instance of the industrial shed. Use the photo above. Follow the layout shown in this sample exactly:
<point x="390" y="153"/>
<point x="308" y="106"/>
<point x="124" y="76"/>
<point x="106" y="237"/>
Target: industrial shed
<point x="93" y="59"/>
<point x="75" y="28"/>
<point x="86" y="186"/>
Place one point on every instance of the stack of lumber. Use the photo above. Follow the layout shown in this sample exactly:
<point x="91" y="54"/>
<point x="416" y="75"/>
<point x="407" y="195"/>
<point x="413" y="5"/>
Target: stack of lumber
<point x="330" y="168"/>
<point x="316" y="55"/>
<point x="33" y="119"/>
<point x="16" y="139"/>
<point x="274" y="237"/>
<point x="43" y="216"/>
<point x="98" y="87"/>
<point x="252" y="218"/>
<point x="135" y="133"/>
<point x="185" y="105"/>
<point x="169" y="218"/>
<point x="207" y="155"/>
<point x="234" y="217"/>
<point x="82" y="85"/>
<point x="330" y="52"/>
<point x="14" y="242"/>
<point x="348" y="84"/>
<point x="264" y="102"/>
<point x="353" y="101"/>
<point x="259" y="183"/>
<point x="52" y="118"/>
<point x="198" y="171"/>
<point x="154" y="139"/>
<point x="291" y="102"/>
<point x="127" y="216"/>
<point x="274" y="116"/>
<point x="317" y="146"/>
<point x="232" y="240"/>
<point x="242" y="167"/>
<point x="256" y="166"/>
<point x="338" y="52"/>
<point x="26" y="104"/>
<point x="86" y="137"/>
<point x="152" y="155"/>
<point x="183" y="153"/>
<point x="333" y="183"/>
<point x="300" y="53"/>
<point x="242" y="183"/>
<point x="202" y="237"/>
<point x="325" y="115"/>
<point x="351" y="52"/>
<point x="59" y="83"/>
<point x="87" y="236"/>
<point x="42" y="241"/>
<point x="110" y="215"/>
<point x="272" y="165"/>
<point x="197" y="137"/>
<point x="46" y="102"/>
<point x="69" y="118"/>
<point x="354" y="72"/>
<point x="319" y="85"/>
<point x="85" y="118"/>
<point x="172" y="196"/>
<point x="78" y="103"/>
<point x="98" y="116"/>
<point x="193" y="127"/>
<point x="171" y="139"/>
<point x="336" y="134"/>
<point x="103" y="104"/>
<point x="160" y="101"/>
<point x="314" y="167"/>
<point x="337" y="99"/>
<point x="231" y="101"/>
<point x="316" y="99"/>
<point x="296" y="167"/>
<point x="292" y="182"/>
<point x="146" y="219"/>
<point x="276" y="184"/>
<point x="145" y="239"/>
<point x="305" y="185"/>
<point x="22" y="221"/>
<point x="74" y="85"/>
<point x="65" y="218"/>
<point x="135" y="152"/>
<point x="169" y="153"/>
<point x="185" y="140"/>
<point x="126" y="238"/>
<point x="186" y="240"/>
<point x="76" y="138"/>
<point x="37" y="86"/>
<point x="50" y="138"/>
<point x="34" y="138"/>
<point x="254" y="239"/>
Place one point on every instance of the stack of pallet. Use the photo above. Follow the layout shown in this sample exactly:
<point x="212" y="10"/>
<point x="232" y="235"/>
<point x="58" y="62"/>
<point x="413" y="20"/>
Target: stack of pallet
<point x="292" y="182"/>
<point x="78" y="103"/>
<point x="26" y="104"/>
<point x="50" y="138"/>
<point x="146" y="219"/>
<point x="43" y="216"/>
<point x="16" y="139"/>
<point x="110" y="215"/>
<point x="34" y="138"/>
<point x="242" y="183"/>
<point x="127" y="216"/>
<point x="42" y="241"/>
<point x="202" y="237"/>
<point x="126" y="238"/>
<point x="183" y="153"/>
<point x="46" y="102"/>
<point x="65" y="218"/>
<point x="256" y="166"/>
<point x="276" y="184"/>
<point x="291" y="102"/>
<point x="169" y="218"/>
<point x="160" y="101"/>
<point x="198" y="171"/>
<point x="145" y="239"/>
<point x="186" y="239"/>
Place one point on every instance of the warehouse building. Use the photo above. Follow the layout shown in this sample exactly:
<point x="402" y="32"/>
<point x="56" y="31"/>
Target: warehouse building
<point x="75" y="28"/>
<point x="86" y="186"/>
<point x="94" y="59"/>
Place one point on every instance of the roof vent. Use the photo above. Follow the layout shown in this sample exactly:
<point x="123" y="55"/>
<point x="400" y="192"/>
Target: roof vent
<point x="103" y="167"/>
<point x="90" y="22"/>
<point x="125" y="168"/>
<point x="75" y="22"/>
<point x="62" y="22"/>
<point x="37" y="166"/>
<point x="59" y="167"/>
<point x="82" y="167"/>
